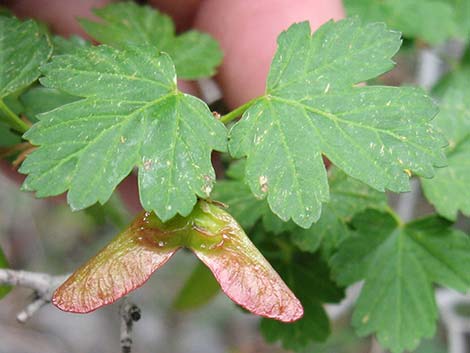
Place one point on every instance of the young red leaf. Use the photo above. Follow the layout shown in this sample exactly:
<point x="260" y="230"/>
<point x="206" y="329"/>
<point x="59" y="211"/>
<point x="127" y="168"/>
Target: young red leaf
<point x="212" y="234"/>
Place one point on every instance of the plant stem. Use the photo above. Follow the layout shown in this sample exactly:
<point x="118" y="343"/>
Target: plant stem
<point x="238" y="111"/>
<point x="43" y="285"/>
<point x="129" y="313"/>
<point x="12" y="119"/>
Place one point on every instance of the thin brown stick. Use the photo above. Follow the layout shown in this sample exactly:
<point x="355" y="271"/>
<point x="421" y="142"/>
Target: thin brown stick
<point x="129" y="313"/>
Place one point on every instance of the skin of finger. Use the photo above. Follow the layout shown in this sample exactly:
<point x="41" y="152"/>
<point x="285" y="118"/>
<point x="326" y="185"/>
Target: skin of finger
<point x="247" y="32"/>
<point x="61" y="15"/>
<point x="182" y="11"/>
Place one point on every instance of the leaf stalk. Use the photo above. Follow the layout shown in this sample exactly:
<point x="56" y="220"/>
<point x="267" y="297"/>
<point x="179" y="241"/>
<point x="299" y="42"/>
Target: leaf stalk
<point x="238" y="111"/>
<point x="395" y="216"/>
<point x="12" y="119"/>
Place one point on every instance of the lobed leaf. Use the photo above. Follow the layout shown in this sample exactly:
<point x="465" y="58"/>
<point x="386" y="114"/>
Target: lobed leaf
<point x="37" y="100"/>
<point x="378" y="135"/>
<point x="18" y="71"/>
<point x="131" y="115"/>
<point x="462" y="12"/>
<point x="246" y="209"/>
<point x="68" y="45"/>
<point x="243" y="205"/>
<point x="448" y="191"/>
<point x="433" y="21"/>
<point x="8" y="137"/>
<point x="399" y="264"/>
<point x="454" y="80"/>
<point x="195" y="54"/>
<point x="212" y="234"/>
<point x="348" y="197"/>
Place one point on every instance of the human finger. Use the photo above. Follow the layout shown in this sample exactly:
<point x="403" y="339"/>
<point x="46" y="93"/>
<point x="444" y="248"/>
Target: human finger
<point x="247" y="32"/>
<point x="60" y="15"/>
<point x="182" y="11"/>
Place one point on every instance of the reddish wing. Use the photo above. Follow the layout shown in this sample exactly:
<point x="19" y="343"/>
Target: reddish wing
<point x="214" y="236"/>
<point x="247" y="277"/>
<point x="122" y="266"/>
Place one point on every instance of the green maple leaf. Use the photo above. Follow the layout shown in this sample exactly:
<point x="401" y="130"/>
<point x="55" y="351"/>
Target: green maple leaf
<point x="24" y="48"/>
<point x="8" y="137"/>
<point x="462" y="14"/>
<point x="448" y="191"/>
<point x="68" y="45"/>
<point x="399" y="264"/>
<point x="455" y="79"/>
<point x="347" y="198"/>
<point x="378" y="135"/>
<point x="430" y="20"/>
<point x="131" y="115"/>
<point x="37" y="100"/>
<point x="4" y="290"/>
<point x="32" y="100"/>
<point x="246" y="209"/>
<point x="195" y="54"/>
<point x="235" y="193"/>
<point x="309" y="278"/>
